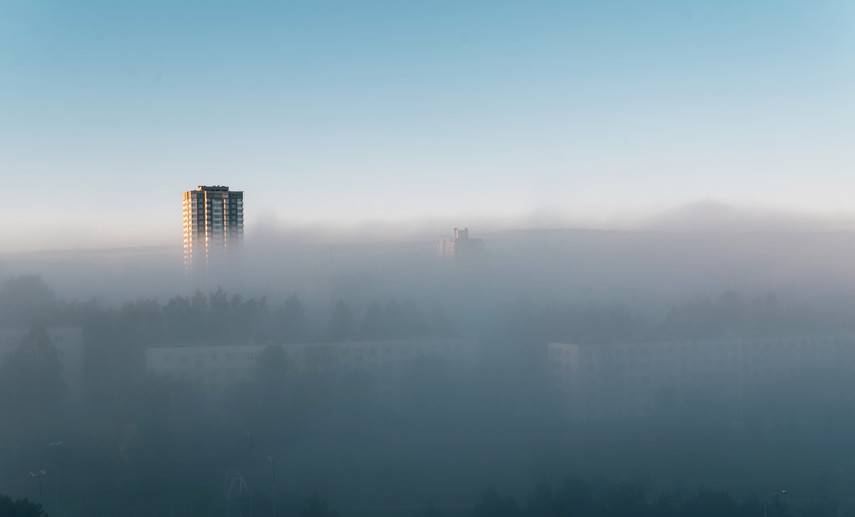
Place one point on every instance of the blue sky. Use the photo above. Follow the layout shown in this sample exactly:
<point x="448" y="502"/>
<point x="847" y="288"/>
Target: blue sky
<point x="341" y="112"/>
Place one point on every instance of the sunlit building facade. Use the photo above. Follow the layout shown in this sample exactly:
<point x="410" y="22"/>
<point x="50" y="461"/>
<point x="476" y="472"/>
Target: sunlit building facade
<point x="213" y="223"/>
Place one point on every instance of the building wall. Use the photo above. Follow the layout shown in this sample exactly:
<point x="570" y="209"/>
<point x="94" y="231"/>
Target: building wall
<point x="221" y="366"/>
<point x="461" y="246"/>
<point x="212" y="222"/>
<point x="612" y="381"/>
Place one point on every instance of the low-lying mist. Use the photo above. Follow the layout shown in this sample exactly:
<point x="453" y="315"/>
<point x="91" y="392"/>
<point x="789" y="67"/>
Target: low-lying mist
<point x="673" y="368"/>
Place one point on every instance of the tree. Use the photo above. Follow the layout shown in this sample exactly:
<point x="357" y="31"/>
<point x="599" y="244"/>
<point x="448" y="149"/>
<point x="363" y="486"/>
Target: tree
<point x="711" y="504"/>
<point x="317" y="507"/>
<point x="292" y="320"/>
<point x="26" y="299"/>
<point x="372" y="322"/>
<point x="492" y="504"/>
<point x="178" y="319"/>
<point x="626" y="500"/>
<point x="114" y="356"/>
<point x="543" y="503"/>
<point x="20" y="508"/>
<point x="431" y="511"/>
<point x="341" y="322"/>
<point x="31" y="377"/>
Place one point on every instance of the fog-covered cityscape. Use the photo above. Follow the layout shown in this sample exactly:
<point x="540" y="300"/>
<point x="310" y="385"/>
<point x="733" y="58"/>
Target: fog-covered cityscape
<point x="468" y="374"/>
<point x="445" y="259"/>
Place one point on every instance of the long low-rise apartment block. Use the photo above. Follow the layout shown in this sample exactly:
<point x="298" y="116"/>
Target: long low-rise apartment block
<point x="215" y="366"/>
<point x="635" y="379"/>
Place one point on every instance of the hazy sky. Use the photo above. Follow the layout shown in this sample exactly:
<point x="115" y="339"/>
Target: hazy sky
<point x="352" y="111"/>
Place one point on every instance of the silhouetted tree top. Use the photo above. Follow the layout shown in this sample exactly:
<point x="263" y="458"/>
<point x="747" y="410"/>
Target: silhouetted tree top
<point x="20" y="508"/>
<point x="316" y="506"/>
<point x="26" y="299"/>
<point x="31" y="377"/>
<point x="341" y="321"/>
<point x="579" y="498"/>
<point x="493" y="504"/>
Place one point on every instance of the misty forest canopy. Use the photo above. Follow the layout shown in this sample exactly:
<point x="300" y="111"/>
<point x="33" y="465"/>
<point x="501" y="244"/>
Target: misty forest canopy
<point x="95" y="430"/>
<point x="567" y="499"/>
<point x="225" y="317"/>
<point x="19" y="508"/>
<point x="220" y="317"/>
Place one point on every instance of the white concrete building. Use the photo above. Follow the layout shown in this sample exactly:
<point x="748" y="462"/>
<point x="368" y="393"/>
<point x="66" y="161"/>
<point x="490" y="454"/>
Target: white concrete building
<point x="612" y="381"/>
<point x="220" y="366"/>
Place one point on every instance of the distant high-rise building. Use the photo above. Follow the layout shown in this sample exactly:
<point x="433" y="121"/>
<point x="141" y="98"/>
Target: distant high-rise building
<point x="461" y="245"/>
<point x="213" y="222"/>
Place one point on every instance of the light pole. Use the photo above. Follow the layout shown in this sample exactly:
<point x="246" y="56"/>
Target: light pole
<point x="237" y="491"/>
<point x="38" y="475"/>
<point x="272" y="462"/>
<point x="776" y="494"/>
<point x="54" y="448"/>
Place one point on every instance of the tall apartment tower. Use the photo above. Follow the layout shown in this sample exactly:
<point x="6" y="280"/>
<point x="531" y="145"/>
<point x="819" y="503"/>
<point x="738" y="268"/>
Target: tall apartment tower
<point x="213" y="223"/>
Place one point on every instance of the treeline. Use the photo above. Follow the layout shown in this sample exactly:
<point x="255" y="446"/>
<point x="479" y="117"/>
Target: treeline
<point x="19" y="508"/>
<point x="727" y="315"/>
<point x="573" y="498"/>
<point x="27" y="299"/>
<point x="578" y="498"/>
<point x="229" y="317"/>
<point x="222" y="317"/>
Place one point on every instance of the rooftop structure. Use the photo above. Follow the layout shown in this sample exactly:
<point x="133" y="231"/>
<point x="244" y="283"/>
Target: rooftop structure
<point x="461" y="245"/>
